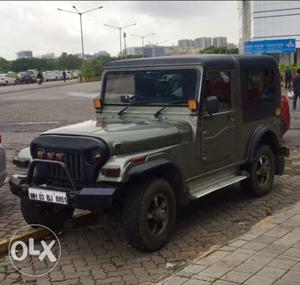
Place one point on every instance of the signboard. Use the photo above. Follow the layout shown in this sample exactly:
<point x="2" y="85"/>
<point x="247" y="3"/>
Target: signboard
<point x="270" y="46"/>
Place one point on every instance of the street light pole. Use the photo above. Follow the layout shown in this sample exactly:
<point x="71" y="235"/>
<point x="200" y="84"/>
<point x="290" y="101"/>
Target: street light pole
<point x="120" y="28"/>
<point x="143" y="37"/>
<point x="125" y="52"/>
<point x="82" y="45"/>
<point x="120" y="36"/>
<point x="81" y="29"/>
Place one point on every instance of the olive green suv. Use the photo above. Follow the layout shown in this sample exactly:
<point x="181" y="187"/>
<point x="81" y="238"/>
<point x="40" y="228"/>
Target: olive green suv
<point x="168" y="130"/>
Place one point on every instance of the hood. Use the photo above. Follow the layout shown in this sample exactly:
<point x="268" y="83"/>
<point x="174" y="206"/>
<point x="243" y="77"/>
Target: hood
<point x="128" y="136"/>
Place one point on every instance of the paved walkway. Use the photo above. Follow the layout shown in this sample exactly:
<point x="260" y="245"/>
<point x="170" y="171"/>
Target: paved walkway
<point x="268" y="254"/>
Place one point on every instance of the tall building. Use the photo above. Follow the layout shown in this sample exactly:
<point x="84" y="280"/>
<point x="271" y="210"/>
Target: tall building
<point x="185" y="44"/>
<point x="146" y="51"/>
<point x="219" y="41"/>
<point x="272" y="21"/>
<point x="24" y="54"/>
<point x="231" y="46"/>
<point x="153" y="51"/>
<point x="134" y="51"/>
<point x="49" y="55"/>
<point x="202" y="43"/>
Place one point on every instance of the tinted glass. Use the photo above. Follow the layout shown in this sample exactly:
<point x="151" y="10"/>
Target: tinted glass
<point x="218" y="85"/>
<point x="260" y="85"/>
<point x="151" y="87"/>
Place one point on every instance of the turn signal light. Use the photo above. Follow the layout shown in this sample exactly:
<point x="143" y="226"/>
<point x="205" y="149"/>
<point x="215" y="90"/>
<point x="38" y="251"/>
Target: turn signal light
<point x="192" y="104"/>
<point x="97" y="103"/>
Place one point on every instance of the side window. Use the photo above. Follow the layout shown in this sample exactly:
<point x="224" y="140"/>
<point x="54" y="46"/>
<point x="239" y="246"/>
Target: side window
<point x="218" y="84"/>
<point x="260" y="85"/>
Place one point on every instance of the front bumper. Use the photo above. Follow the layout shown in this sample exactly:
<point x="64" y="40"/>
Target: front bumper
<point x="88" y="198"/>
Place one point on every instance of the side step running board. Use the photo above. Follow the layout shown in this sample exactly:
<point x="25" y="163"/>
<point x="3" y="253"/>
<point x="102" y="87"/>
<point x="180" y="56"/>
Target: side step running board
<point x="219" y="184"/>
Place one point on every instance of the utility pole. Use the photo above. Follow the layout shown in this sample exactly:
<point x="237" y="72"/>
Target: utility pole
<point x="81" y="29"/>
<point x="143" y="37"/>
<point x="125" y="52"/>
<point x="120" y="28"/>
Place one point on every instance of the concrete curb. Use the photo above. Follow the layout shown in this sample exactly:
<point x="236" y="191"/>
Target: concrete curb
<point x="204" y="254"/>
<point x="78" y="220"/>
<point x="38" y="88"/>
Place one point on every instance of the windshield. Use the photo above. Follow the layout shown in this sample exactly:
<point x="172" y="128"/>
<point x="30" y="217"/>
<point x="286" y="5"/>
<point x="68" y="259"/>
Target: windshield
<point x="154" y="87"/>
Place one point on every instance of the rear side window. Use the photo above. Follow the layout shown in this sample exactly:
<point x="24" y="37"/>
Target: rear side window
<point x="260" y="89"/>
<point x="260" y="86"/>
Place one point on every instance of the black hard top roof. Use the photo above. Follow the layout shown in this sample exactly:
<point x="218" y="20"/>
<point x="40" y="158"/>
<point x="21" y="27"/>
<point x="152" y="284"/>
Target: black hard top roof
<point x="210" y="61"/>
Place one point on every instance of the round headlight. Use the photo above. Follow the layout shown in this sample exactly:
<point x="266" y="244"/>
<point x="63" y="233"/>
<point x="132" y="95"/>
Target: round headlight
<point x="94" y="155"/>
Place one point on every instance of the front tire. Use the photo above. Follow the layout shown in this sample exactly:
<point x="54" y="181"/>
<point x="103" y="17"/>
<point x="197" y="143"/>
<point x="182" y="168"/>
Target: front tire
<point x="51" y="216"/>
<point x="262" y="172"/>
<point x="149" y="214"/>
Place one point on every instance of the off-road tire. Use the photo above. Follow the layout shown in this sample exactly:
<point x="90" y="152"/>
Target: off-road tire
<point x="251" y="185"/>
<point x="139" y="202"/>
<point x="50" y="216"/>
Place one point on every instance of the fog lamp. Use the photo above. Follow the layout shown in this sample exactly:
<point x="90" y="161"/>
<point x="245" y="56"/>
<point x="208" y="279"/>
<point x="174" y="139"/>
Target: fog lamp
<point x="40" y="154"/>
<point x="50" y="155"/>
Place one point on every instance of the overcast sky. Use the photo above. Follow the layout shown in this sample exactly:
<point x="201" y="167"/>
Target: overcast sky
<point x="39" y="27"/>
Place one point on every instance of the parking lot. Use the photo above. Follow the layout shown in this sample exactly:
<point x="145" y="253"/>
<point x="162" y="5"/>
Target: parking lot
<point x="97" y="253"/>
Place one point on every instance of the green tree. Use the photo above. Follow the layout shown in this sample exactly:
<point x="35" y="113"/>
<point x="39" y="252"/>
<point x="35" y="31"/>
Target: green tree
<point x="4" y="65"/>
<point x="69" y="61"/>
<point x="94" y="67"/>
<point x="220" y="50"/>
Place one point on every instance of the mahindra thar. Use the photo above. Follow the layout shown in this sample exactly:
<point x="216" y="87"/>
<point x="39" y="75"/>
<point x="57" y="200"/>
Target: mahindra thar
<point x="168" y="130"/>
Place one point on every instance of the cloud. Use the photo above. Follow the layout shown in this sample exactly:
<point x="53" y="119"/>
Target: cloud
<point x="38" y="26"/>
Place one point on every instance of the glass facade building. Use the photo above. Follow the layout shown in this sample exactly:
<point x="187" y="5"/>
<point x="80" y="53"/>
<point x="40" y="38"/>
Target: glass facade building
<point x="270" y="20"/>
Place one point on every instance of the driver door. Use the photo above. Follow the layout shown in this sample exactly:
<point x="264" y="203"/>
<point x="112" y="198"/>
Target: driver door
<point x="219" y="132"/>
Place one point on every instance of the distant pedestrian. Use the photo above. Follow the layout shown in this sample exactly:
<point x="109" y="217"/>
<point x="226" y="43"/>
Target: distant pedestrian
<point x="288" y="77"/>
<point x="39" y="77"/>
<point x="64" y="74"/>
<point x="296" y="88"/>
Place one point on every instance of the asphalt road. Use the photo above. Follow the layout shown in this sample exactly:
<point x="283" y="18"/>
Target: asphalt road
<point x="98" y="253"/>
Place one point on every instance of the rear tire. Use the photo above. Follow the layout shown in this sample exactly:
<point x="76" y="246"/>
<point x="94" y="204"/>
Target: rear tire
<point x="149" y="214"/>
<point x="262" y="172"/>
<point x="50" y="216"/>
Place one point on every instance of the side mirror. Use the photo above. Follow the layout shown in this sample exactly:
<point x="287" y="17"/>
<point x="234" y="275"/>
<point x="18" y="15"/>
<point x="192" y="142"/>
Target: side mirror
<point x="212" y="105"/>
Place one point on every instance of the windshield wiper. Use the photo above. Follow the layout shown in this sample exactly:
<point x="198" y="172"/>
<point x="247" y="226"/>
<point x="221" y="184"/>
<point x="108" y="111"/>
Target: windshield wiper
<point x="123" y="110"/>
<point x="159" y="111"/>
<point x="132" y="104"/>
<point x="168" y="105"/>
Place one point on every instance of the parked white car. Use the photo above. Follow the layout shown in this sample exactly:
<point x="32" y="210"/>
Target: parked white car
<point x="58" y="74"/>
<point x="49" y="76"/>
<point x="5" y="80"/>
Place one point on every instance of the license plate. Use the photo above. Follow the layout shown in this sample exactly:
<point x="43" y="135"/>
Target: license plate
<point x="49" y="196"/>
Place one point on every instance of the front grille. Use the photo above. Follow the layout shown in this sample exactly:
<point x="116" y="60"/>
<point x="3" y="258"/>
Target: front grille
<point x="74" y="152"/>
<point x="74" y="163"/>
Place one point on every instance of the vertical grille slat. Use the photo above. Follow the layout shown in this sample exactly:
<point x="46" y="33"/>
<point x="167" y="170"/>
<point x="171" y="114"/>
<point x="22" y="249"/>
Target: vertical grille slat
<point x="74" y="163"/>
